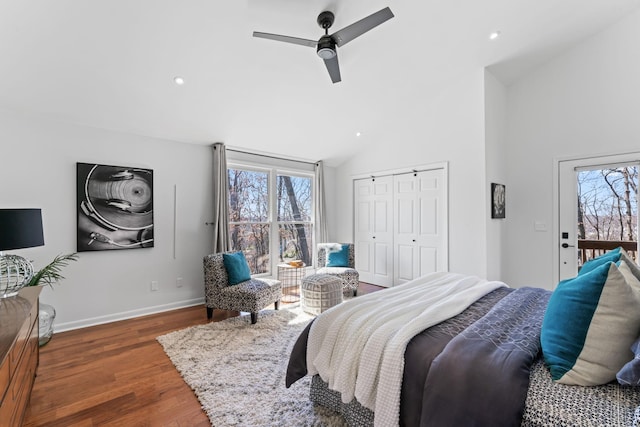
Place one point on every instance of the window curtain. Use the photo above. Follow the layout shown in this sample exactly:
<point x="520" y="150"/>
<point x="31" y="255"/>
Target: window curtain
<point x="322" y="235"/>
<point x="221" y="235"/>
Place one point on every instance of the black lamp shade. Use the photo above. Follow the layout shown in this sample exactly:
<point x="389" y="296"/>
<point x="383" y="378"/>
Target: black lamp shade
<point x="20" y="228"/>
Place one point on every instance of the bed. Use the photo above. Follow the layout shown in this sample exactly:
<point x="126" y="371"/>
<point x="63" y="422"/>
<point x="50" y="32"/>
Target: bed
<point x="453" y="350"/>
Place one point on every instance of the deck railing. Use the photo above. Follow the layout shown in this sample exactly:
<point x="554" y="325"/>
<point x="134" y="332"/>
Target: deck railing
<point x="589" y="249"/>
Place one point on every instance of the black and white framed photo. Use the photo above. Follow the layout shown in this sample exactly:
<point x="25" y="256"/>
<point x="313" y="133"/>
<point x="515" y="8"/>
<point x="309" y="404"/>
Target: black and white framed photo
<point x="498" y="201"/>
<point x="115" y="207"/>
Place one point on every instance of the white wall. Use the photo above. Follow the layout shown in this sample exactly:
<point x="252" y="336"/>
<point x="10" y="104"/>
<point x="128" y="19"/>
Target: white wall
<point x="586" y="102"/>
<point x="38" y="159"/>
<point x="495" y="103"/>
<point x="448" y="127"/>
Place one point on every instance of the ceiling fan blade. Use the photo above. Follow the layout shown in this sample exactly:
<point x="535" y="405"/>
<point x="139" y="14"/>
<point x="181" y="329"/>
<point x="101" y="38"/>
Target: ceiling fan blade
<point x="333" y="68"/>
<point x="356" y="29"/>
<point x="288" y="39"/>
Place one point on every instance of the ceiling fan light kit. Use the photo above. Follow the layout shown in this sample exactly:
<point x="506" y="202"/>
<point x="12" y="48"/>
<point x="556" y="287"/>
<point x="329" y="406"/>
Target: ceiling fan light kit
<point x="326" y="45"/>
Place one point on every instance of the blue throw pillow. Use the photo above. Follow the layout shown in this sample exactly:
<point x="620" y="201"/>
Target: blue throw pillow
<point x="339" y="258"/>
<point x="605" y="258"/>
<point x="237" y="267"/>
<point x="590" y="323"/>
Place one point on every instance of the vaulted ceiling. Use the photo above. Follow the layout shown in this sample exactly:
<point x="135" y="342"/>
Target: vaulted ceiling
<point x="111" y="63"/>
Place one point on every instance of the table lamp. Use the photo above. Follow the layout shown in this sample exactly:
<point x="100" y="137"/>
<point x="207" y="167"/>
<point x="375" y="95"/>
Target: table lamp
<point x="19" y="229"/>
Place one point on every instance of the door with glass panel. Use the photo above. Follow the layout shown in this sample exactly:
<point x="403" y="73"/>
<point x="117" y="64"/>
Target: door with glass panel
<point x="598" y="209"/>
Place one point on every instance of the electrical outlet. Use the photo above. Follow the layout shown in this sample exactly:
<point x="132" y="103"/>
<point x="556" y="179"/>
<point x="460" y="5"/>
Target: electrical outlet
<point x="154" y="285"/>
<point x="179" y="282"/>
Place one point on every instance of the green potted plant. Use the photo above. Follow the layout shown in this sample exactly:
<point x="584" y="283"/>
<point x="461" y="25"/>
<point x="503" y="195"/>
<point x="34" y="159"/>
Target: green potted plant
<point x="51" y="273"/>
<point x="48" y="275"/>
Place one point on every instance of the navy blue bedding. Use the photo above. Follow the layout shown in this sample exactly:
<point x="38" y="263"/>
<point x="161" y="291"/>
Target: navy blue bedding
<point x="481" y="376"/>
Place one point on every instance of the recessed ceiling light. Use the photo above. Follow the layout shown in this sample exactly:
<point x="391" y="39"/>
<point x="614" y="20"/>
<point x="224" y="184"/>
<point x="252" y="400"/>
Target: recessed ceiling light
<point x="358" y="134"/>
<point x="178" y="80"/>
<point x="494" y="35"/>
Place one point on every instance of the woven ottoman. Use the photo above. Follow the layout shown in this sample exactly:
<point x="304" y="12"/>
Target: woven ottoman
<point x="320" y="292"/>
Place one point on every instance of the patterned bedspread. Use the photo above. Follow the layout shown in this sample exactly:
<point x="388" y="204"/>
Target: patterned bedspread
<point x="551" y="404"/>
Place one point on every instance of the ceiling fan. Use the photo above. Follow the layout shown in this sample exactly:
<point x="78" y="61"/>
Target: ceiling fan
<point x="326" y="46"/>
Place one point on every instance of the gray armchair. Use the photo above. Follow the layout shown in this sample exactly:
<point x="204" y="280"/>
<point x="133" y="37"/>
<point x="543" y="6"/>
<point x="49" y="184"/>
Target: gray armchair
<point x="349" y="275"/>
<point x="252" y="295"/>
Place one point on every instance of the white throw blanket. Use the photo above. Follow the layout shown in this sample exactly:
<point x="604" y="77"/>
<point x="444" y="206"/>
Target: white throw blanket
<point x="358" y="347"/>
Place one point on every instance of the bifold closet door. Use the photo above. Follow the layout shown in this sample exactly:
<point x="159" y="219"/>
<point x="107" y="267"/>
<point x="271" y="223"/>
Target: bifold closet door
<point x="419" y="224"/>
<point x="374" y="230"/>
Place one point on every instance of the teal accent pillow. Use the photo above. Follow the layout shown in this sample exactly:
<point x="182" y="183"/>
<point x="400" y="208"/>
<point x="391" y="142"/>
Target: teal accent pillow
<point x="592" y="264"/>
<point x="590" y="324"/>
<point x="237" y="268"/>
<point x="339" y="258"/>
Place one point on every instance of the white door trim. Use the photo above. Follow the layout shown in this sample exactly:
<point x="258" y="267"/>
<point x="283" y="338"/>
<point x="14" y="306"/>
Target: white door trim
<point x="595" y="159"/>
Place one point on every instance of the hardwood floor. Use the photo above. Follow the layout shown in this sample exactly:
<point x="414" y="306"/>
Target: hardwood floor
<point x="118" y="375"/>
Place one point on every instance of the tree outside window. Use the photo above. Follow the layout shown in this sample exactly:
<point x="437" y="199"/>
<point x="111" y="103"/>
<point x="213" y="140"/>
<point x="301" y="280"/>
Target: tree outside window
<point x="256" y="218"/>
<point x="607" y="204"/>
<point x="249" y="217"/>
<point x="294" y="218"/>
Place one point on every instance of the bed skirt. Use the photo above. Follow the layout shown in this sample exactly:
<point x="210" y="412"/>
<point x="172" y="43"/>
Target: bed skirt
<point x="353" y="412"/>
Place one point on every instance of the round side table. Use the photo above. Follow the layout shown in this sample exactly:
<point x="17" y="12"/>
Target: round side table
<point x="291" y="278"/>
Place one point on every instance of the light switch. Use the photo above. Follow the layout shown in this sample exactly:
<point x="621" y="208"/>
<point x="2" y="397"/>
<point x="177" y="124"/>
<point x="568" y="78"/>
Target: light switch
<point x="540" y="226"/>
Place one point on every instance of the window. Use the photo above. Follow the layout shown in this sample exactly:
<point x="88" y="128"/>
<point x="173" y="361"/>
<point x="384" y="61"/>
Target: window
<point x="249" y="217"/>
<point x="607" y="209"/>
<point x="295" y="229"/>
<point x="270" y="212"/>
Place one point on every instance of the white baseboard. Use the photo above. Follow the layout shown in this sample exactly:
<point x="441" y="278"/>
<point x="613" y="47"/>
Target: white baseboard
<point x="85" y="323"/>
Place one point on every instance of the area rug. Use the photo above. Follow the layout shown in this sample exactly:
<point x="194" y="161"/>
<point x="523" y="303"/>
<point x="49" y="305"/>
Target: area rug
<point x="237" y="371"/>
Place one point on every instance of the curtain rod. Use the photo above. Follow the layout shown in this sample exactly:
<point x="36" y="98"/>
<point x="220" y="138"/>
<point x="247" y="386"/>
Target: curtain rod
<point x="271" y="157"/>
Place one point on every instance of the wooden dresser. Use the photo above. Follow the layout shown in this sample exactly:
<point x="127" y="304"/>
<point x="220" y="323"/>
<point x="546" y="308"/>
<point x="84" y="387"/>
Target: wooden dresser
<point x="18" y="353"/>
